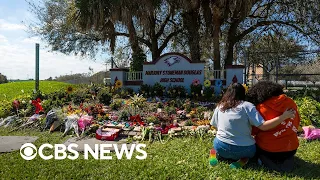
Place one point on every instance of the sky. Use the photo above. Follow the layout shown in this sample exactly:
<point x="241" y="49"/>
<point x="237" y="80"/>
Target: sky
<point x="17" y="48"/>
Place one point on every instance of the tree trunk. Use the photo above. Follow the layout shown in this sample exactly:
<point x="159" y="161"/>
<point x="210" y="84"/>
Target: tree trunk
<point x="191" y="23"/>
<point x="138" y="56"/>
<point x="216" y="45"/>
<point x="154" y="39"/>
<point x="133" y="38"/>
<point x="231" y="41"/>
<point x="229" y="55"/>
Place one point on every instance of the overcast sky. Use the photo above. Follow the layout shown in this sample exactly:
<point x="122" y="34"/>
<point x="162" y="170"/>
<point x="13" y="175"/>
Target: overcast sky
<point x="17" y="48"/>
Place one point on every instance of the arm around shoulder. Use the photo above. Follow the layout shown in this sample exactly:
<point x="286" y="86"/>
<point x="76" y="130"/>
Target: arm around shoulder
<point x="272" y="123"/>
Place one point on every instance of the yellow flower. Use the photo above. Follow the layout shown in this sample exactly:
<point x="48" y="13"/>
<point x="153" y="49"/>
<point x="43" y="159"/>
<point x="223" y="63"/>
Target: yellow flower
<point x="246" y="88"/>
<point x="207" y="83"/>
<point x="69" y="89"/>
<point x="118" y="84"/>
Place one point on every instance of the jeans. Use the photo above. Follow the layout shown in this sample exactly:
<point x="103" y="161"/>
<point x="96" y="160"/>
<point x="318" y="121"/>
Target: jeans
<point x="229" y="151"/>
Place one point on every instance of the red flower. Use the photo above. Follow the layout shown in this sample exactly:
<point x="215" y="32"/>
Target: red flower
<point x="37" y="105"/>
<point x="16" y="104"/>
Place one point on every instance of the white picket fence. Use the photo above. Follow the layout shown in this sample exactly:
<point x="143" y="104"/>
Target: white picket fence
<point x="214" y="74"/>
<point x="133" y="76"/>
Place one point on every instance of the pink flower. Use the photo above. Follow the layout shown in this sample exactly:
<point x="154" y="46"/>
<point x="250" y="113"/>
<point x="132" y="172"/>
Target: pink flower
<point x="196" y="82"/>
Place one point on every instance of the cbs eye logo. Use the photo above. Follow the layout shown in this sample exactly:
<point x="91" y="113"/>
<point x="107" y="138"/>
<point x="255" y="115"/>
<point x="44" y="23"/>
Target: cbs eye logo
<point x="28" y="151"/>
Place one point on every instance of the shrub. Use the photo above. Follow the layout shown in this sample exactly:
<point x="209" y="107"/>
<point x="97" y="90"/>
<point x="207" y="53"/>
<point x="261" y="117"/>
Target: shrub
<point x="145" y="89"/>
<point x="177" y="91"/>
<point x="79" y="95"/>
<point x="5" y="108"/>
<point x="116" y="104"/>
<point x="159" y="105"/>
<point x="200" y="112"/>
<point x="189" y="123"/>
<point x="129" y="91"/>
<point x="196" y="89"/>
<point x="170" y="110"/>
<point x="104" y="96"/>
<point x="124" y="115"/>
<point x="208" y="93"/>
<point x="138" y="101"/>
<point x="152" y="119"/>
<point x="157" y="89"/>
<point x="309" y="110"/>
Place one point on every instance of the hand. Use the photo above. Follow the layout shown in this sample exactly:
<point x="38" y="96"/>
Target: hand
<point x="289" y="113"/>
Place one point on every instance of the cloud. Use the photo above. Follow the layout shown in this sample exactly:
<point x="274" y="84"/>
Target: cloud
<point x="4" y="25"/>
<point x="3" y="39"/>
<point x="18" y="62"/>
<point x="31" y="40"/>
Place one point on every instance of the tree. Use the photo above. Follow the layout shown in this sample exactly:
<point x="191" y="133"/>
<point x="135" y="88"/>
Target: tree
<point x="151" y="26"/>
<point x="3" y="79"/>
<point x="275" y="50"/>
<point x="233" y="20"/>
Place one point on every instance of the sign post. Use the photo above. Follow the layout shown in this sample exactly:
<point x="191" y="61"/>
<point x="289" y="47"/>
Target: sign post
<point x="37" y="67"/>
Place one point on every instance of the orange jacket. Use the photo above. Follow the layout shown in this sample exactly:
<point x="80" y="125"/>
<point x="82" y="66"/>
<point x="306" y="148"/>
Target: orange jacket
<point x="283" y="137"/>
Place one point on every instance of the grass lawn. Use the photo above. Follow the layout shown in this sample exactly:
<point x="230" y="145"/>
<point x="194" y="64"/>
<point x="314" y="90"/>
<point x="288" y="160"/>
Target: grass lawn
<point x="180" y="158"/>
<point x="13" y="89"/>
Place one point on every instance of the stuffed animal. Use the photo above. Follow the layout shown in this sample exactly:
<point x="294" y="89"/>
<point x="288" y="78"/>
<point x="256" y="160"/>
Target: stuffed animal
<point x="71" y="122"/>
<point x="50" y="118"/>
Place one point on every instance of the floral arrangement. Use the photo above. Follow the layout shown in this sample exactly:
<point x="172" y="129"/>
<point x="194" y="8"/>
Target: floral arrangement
<point x="207" y="83"/>
<point x="196" y="88"/>
<point x="118" y="84"/>
<point x="195" y="82"/>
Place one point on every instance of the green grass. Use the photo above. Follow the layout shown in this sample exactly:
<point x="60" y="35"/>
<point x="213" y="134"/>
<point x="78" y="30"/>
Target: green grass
<point x="180" y="158"/>
<point x="11" y="90"/>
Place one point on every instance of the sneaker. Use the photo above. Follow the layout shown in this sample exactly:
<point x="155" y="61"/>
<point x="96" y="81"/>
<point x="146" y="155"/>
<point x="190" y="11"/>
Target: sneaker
<point x="240" y="163"/>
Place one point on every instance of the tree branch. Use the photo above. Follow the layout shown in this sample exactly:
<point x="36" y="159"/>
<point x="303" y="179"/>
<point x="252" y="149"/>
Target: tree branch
<point x="147" y="43"/>
<point x="163" y="25"/>
<point x="267" y="23"/>
<point x="168" y="38"/>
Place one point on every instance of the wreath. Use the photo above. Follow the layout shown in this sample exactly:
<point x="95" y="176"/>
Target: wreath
<point x="207" y="83"/>
<point x="118" y="84"/>
<point x="218" y="83"/>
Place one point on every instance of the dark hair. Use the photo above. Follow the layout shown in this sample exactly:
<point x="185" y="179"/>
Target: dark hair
<point x="263" y="91"/>
<point x="232" y="97"/>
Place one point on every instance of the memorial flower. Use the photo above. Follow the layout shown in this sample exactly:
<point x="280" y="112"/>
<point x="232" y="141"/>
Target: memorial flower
<point x="246" y="88"/>
<point x="118" y="84"/>
<point x="196" y="82"/>
<point x="207" y="83"/>
<point x="69" y="89"/>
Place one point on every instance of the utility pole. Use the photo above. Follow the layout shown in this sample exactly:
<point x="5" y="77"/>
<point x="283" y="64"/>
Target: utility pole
<point x="112" y="62"/>
<point x="37" y="67"/>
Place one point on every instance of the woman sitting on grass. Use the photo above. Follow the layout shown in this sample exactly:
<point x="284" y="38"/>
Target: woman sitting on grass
<point x="233" y="119"/>
<point x="275" y="147"/>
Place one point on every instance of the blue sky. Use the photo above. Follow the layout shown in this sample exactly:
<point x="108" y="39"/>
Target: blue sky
<point x="17" y="48"/>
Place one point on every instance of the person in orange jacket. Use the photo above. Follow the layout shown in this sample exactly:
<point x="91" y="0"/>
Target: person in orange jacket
<point x="275" y="147"/>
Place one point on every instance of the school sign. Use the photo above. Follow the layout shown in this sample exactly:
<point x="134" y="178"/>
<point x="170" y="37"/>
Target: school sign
<point x="174" y="69"/>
